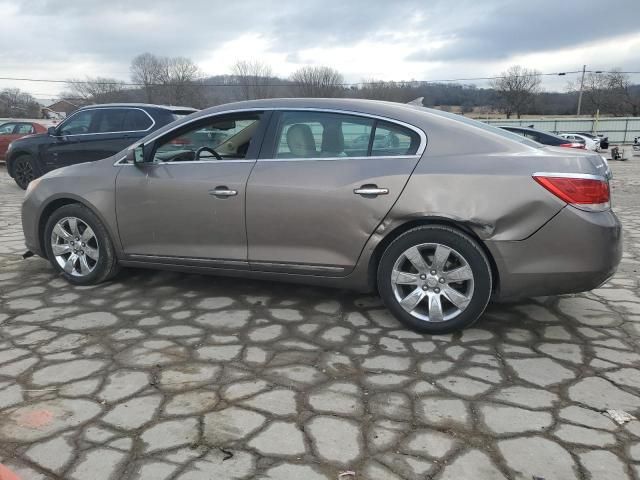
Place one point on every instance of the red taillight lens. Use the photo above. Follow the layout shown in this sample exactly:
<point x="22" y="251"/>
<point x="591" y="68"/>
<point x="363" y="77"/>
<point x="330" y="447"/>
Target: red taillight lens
<point x="180" y="141"/>
<point x="583" y="193"/>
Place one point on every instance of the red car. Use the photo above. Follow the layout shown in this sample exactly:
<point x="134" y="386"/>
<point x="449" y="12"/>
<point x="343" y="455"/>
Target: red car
<point x="11" y="131"/>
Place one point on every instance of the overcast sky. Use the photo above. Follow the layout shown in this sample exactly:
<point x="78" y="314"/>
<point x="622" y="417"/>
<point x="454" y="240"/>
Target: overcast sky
<point x="363" y="39"/>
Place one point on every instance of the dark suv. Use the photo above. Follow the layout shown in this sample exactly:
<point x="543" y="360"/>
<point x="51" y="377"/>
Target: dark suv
<point x="88" y="134"/>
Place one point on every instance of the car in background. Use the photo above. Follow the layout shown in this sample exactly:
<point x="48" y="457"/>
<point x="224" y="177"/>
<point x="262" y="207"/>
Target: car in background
<point x="589" y="142"/>
<point x="544" y="138"/>
<point x="11" y="131"/>
<point x="604" y="141"/>
<point x="437" y="227"/>
<point x="88" y="134"/>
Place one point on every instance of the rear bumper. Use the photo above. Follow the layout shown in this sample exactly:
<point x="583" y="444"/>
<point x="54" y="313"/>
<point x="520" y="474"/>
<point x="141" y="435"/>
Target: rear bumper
<point x="574" y="252"/>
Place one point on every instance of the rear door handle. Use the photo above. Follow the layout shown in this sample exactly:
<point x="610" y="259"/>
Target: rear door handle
<point x="371" y="190"/>
<point x="223" y="192"/>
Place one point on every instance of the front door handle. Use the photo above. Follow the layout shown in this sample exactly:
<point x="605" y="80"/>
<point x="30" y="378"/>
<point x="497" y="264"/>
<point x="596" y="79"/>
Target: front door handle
<point x="223" y="192"/>
<point x="371" y="190"/>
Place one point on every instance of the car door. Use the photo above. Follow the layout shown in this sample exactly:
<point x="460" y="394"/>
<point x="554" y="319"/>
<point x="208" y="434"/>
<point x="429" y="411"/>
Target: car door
<point x="72" y="141"/>
<point x="186" y="203"/>
<point x="6" y="137"/>
<point x="318" y="191"/>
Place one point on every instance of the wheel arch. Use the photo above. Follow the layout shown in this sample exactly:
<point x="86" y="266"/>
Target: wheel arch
<point x="10" y="161"/>
<point x="55" y="203"/>
<point x="382" y="245"/>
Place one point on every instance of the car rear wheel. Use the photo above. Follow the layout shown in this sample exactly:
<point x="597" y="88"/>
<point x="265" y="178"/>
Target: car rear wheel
<point x="23" y="171"/>
<point x="78" y="246"/>
<point x="435" y="279"/>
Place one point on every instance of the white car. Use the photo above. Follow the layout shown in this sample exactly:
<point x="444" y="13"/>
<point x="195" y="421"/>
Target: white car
<point x="589" y="143"/>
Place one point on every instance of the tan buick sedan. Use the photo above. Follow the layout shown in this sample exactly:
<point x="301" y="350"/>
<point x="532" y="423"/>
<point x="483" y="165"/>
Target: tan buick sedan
<point x="436" y="212"/>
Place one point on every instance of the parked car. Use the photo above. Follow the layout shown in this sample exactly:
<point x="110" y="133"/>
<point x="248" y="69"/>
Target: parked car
<point x="589" y="143"/>
<point x="544" y="138"/>
<point x="10" y="131"/>
<point x="604" y="141"/>
<point x="437" y="226"/>
<point x="90" y="133"/>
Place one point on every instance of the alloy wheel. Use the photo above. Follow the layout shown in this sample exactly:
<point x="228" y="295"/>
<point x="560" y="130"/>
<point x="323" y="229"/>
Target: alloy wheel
<point x="75" y="246"/>
<point x="24" y="172"/>
<point x="432" y="282"/>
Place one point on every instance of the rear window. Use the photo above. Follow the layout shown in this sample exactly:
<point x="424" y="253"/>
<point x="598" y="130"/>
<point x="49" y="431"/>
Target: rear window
<point x="136" y="120"/>
<point x="486" y="127"/>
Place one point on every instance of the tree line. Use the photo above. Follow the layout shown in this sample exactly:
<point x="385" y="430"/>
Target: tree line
<point x="179" y="81"/>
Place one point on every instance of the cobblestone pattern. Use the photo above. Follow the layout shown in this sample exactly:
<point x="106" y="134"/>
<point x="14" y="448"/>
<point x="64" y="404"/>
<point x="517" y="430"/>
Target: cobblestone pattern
<point x="168" y="376"/>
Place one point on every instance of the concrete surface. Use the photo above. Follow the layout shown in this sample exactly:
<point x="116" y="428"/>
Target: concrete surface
<point x="161" y="375"/>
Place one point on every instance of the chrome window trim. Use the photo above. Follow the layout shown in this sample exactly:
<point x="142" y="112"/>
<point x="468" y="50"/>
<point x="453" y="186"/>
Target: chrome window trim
<point x="331" y="159"/>
<point x="153" y="122"/>
<point x="587" y="176"/>
<point x="419" y="131"/>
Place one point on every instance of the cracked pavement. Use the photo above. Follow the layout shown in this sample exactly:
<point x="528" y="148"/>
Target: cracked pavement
<point x="159" y="375"/>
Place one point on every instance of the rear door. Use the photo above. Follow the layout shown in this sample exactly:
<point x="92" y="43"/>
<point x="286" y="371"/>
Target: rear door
<point x="323" y="183"/>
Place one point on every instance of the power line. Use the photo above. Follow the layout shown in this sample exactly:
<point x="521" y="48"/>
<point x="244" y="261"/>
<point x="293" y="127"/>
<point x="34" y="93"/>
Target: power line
<point x="290" y="84"/>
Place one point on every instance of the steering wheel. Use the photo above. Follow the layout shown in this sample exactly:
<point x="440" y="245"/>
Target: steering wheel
<point x="207" y="149"/>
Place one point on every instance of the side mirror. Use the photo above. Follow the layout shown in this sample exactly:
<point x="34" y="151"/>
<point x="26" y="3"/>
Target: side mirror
<point x="51" y="131"/>
<point x="136" y="155"/>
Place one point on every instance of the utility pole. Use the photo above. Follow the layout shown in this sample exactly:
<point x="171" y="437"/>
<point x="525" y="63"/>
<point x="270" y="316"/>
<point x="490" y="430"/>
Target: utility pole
<point x="584" y="68"/>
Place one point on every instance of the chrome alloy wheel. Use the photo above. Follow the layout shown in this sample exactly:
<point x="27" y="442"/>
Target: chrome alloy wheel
<point x="432" y="282"/>
<point x="75" y="246"/>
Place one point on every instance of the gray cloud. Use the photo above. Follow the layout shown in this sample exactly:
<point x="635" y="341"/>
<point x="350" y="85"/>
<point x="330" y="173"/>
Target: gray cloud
<point x="49" y="36"/>
<point x="506" y="28"/>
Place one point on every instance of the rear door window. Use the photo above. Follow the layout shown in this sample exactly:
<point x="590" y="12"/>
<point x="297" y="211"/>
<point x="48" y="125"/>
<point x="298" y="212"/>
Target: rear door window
<point x="394" y="140"/>
<point x="23" y="129"/>
<point x="110" y="120"/>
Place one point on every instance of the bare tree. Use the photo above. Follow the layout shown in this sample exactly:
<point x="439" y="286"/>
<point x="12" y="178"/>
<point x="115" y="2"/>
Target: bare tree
<point x="18" y="104"/>
<point x="596" y="91"/>
<point x="253" y="78"/>
<point x="318" y="82"/>
<point x="171" y="80"/>
<point x="97" y="90"/>
<point x="625" y="98"/>
<point x="402" y="92"/>
<point x="517" y="88"/>
<point x="146" y="70"/>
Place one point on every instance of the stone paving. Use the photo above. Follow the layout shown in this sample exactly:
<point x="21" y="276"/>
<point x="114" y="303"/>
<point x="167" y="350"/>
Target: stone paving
<point x="160" y="375"/>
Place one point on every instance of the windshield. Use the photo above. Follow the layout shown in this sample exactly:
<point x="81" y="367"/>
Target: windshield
<point x="486" y="127"/>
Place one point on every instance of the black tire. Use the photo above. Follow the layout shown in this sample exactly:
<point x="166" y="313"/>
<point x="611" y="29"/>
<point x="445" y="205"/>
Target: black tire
<point x="105" y="267"/>
<point x="462" y="244"/>
<point x="24" y="170"/>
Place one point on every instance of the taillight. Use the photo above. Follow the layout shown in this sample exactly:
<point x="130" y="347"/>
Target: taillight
<point x="572" y="145"/>
<point x="181" y="141"/>
<point x="586" y="192"/>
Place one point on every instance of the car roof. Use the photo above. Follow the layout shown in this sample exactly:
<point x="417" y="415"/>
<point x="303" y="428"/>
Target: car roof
<point x="171" y="108"/>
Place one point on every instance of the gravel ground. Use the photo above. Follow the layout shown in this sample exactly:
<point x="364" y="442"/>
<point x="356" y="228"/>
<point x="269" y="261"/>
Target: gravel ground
<point x="160" y="375"/>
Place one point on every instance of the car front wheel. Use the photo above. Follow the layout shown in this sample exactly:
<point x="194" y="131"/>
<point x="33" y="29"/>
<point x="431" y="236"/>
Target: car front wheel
<point x="23" y="171"/>
<point x="78" y="246"/>
<point x="435" y="279"/>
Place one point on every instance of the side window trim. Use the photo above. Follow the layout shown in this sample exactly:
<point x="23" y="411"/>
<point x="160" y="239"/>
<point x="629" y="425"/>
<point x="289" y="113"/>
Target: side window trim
<point x="153" y="122"/>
